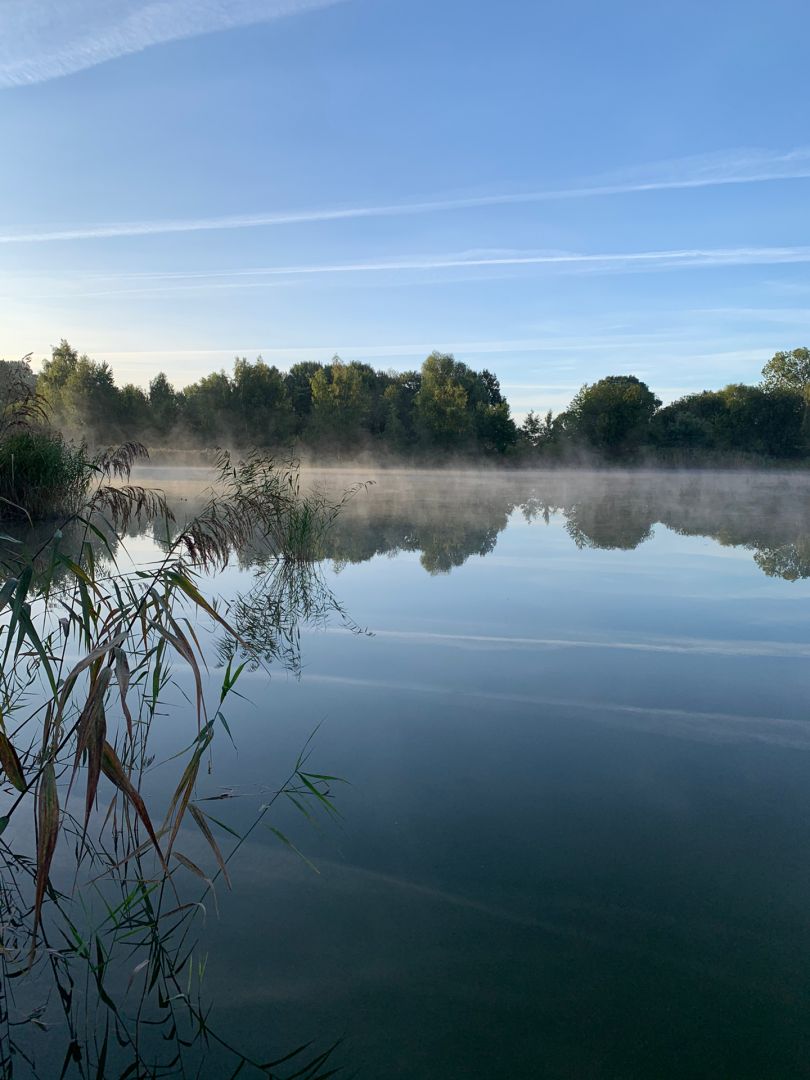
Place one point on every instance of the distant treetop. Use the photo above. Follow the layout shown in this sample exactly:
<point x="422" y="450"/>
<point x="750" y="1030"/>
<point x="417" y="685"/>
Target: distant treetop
<point x="788" y="371"/>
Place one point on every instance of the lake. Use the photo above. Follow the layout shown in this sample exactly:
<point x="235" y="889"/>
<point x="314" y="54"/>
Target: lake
<point x="571" y="711"/>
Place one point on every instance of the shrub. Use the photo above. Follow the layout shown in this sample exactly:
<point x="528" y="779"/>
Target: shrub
<point x="40" y="474"/>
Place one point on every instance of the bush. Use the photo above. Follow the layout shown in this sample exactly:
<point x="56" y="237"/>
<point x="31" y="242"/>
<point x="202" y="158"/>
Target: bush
<point x="40" y="474"/>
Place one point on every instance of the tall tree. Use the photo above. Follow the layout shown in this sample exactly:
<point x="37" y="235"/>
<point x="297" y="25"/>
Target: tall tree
<point x="206" y="407"/>
<point x="739" y="418"/>
<point x="81" y="393"/>
<point x="612" y="415"/>
<point x="163" y="404"/>
<point x="134" y="416"/>
<point x="261" y="403"/>
<point x="299" y="389"/>
<point x="495" y="429"/>
<point x="762" y="422"/>
<point x="342" y="402"/>
<point x="58" y="370"/>
<point x="788" y="371"/>
<point x="399" y="397"/>
<point x="442" y="414"/>
<point x="493" y="387"/>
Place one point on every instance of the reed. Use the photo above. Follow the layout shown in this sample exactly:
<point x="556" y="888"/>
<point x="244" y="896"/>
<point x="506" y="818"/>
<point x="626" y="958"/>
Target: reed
<point x="41" y="475"/>
<point x="89" y="659"/>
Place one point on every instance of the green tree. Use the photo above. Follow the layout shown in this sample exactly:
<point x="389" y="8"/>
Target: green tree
<point x="399" y="396"/>
<point x="62" y="365"/>
<point x="788" y="371"/>
<point x="738" y="418"/>
<point x="537" y="431"/>
<point x="56" y="374"/>
<point x="442" y="415"/>
<point x="613" y="415"/>
<point x="762" y="422"/>
<point x="163" y="404"/>
<point x="261" y="404"/>
<point x="299" y="389"/>
<point x="206" y="406"/>
<point x="492" y="388"/>
<point x="342" y="402"/>
<point x="495" y="429"/>
<point x="81" y="394"/>
<point x="134" y="416"/>
<point x="530" y="430"/>
<point x="694" y="422"/>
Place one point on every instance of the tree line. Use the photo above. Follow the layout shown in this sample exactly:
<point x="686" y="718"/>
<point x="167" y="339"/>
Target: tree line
<point x="445" y="408"/>
<point x="620" y="418"/>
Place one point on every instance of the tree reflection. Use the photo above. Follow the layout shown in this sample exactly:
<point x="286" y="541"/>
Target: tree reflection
<point x="98" y="940"/>
<point x="447" y="519"/>
<point x="600" y="523"/>
<point x="269" y="616"/>
<point x="788" y="561"/>
<point x="444" y="535"/>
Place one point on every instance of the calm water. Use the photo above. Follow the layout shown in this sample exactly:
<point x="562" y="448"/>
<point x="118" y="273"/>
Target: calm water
<point x="575" y="838"/>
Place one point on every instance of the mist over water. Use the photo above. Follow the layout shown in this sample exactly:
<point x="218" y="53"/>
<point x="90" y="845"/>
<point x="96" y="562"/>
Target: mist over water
<point x="572" y="711"/>
<point x="450" y="515"/>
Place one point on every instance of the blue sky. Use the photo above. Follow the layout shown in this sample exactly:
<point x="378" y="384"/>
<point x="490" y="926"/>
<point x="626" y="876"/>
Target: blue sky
<point x="556" y="192"/>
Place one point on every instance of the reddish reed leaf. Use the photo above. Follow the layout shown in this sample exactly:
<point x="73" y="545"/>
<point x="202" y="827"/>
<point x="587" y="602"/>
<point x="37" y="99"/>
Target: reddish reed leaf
<point x="11" y="763"/>
<point x="115" y="771"/>
<point x="90" y="736"/>
<point x="47" y="835"/>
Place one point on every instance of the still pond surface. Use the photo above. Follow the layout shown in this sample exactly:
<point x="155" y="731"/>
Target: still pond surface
<point x="574" y="841"/>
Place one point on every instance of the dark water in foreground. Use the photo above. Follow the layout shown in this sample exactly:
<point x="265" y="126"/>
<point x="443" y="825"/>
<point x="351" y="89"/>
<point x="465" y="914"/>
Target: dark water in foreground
<point x="575" y="838"/>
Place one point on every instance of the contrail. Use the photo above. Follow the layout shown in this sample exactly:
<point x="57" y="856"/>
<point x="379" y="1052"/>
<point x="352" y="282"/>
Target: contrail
<point x="699" y="173"/>
<point x="687" y="724"/>
<point x="604" y="262"/>
<point x="701" y="646"/>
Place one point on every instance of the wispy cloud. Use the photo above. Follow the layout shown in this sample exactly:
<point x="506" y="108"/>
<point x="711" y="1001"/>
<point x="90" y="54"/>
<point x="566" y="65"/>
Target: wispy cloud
<point x="788" y="315"/>
<point x="701" y="646"/>
<point x="500" y="345"/>
<point x="262" y="277"/>
<point x="717" y="170"/>
<point x="41" y="40"/>
<point x="678" y="723"/>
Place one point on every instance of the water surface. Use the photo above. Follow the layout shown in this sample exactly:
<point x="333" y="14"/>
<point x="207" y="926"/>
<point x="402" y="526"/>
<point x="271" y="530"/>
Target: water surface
<point x="574" y="838"/>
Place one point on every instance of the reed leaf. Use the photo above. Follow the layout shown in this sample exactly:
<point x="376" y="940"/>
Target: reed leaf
<point x="7" y="591"/>
<point x="47" y="835"/>
<point x="91" y="736"/>
<point x="205" y="829"/>
<point x="183" y="582"/>
<point x="94" y="655"/>
<point x="182" y="794"/>
<point x="12" y="766"/>
<point x="180" y="644"/>
<point x="114" y="771"/>
<point x="122" y="675"/>
<point x="192" y="866"/>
